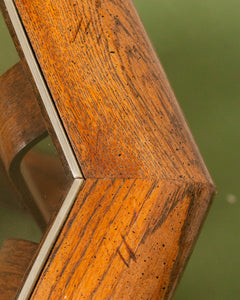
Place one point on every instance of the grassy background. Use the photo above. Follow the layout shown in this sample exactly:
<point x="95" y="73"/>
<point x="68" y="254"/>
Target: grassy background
<point x="199" y="46"/>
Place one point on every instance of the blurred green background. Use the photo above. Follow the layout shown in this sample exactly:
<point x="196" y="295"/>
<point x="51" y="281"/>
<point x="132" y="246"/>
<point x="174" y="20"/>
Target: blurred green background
<point x="199" y="46"/>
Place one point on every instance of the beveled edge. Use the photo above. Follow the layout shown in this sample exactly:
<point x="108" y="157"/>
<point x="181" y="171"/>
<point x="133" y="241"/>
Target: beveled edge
<point x="50" y="240"/>
<point x="78" y="180"/>
<point x="43" y="90"/>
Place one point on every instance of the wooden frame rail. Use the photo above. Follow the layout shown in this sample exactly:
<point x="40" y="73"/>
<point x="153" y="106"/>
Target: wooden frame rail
<point x="147" y="191"/>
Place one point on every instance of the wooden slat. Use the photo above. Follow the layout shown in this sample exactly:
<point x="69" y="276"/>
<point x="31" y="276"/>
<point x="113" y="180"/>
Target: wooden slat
<point x="125" y="239"/>
<point x="35" y="96"/>
<point x="110" y="90"/>
<point x="21" y="127"/>
<point x="21" y="120"/>
<point x="15" y="257"/>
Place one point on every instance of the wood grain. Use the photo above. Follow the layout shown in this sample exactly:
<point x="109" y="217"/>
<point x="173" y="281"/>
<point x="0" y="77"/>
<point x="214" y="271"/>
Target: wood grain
<point x="29" y="78"/>
<point x="15" y="257"/>
<point x="21" y="121"/>
<point x="147" y="190"/>
<point x="110" y="90"/>
<point x="125" y="239"/>
<point x="21" y="127"/>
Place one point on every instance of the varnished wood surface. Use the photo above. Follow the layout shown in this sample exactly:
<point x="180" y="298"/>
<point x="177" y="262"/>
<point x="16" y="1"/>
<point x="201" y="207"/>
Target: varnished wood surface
<point x="147" y="190"/>
<point x="15" y="257"/>
<point x="110" y="90"/>
<point x="21" y="127"/>
<point x="49" y="180"/>
<point x="21" y="120"/>
<point x="125" y="239"/>
<point x="27" y="76"/>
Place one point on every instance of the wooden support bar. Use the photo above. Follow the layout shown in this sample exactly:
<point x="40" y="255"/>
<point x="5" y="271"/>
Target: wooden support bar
<point x="15" y="257"/>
